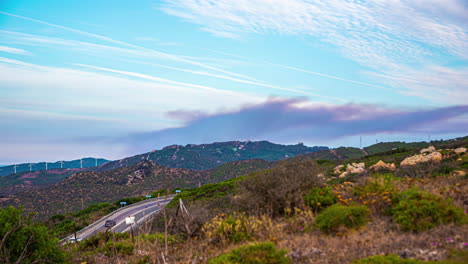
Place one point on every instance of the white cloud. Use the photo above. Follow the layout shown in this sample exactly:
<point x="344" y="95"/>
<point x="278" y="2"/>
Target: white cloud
<point x="14" y="50"/>
<point x="388" y="36"/>
<point x="92" y="96"/>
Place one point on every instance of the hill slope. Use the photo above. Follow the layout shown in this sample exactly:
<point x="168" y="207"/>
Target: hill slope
<point x="208" y="156"/>
<point x="137" y="180"/>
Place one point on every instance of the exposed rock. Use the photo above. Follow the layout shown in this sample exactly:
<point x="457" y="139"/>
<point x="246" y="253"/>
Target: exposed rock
<point x="354" y="168"/>
<point x="382" y="165"/>
<point x="428" y="150"/>
<point x="459" y="173"/>
<point x="413" y="160"/>
<point x="337" y="169"/>
<point x="460" y="150"/>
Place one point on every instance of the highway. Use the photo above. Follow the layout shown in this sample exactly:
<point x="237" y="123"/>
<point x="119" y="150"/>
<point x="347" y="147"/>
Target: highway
<point x="140" y="211"/>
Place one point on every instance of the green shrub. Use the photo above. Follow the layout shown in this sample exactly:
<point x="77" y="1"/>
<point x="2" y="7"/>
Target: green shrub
<point x="390" y="259"/>
<point x="336" y="216"/>
<point x="416" y="211"/>
<point x="261" y="253"/>
<point x="23" y="241"/>
<point x="120" y="248"/>
<point x="320" y="198"/>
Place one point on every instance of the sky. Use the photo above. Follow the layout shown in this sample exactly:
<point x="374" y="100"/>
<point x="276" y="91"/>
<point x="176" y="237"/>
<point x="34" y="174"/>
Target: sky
<point x="114" y="78"/>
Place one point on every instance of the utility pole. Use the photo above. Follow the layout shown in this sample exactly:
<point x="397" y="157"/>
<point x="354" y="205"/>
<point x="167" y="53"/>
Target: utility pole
<point x="360" y="142"/>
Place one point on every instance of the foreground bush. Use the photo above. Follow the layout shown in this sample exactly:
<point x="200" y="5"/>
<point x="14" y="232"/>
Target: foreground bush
<point x="416" y="211"/>
<point x="320" y="198"/>
<point x="274" y="191"/>
<point x="22" y="241"/>
<point x="338" y="216"/>
<point x="261" y="253"/>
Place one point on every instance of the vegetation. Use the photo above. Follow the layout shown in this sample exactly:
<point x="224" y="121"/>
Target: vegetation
<point x="335" y="217"/>
<point x="261" y="253"/>
<point x="320" y="198"/>
<point x="416" y="211"/>
<point x="24" y="241"/>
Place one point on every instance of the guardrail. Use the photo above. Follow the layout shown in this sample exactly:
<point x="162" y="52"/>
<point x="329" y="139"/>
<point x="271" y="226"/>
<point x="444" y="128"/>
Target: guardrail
<point x="99" y="222"/>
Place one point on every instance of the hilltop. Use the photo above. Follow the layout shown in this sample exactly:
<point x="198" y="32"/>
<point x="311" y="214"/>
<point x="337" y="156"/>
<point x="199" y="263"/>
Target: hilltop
<point x="208" y="156"/>
<point x="70" y="164"/>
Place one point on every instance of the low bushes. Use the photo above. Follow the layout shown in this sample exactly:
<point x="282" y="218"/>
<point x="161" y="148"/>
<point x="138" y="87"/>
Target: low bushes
<point x="338" y="216"/>
<point x="320" y="198"/>
<point x="416" y="211"/>
<point x="260" y="253"/>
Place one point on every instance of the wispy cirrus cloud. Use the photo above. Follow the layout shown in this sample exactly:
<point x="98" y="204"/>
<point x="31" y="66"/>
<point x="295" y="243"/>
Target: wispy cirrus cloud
<point x="387" y="36"/>
<point x="288" y="121"/>
<point x="14" y="50"/>
<point x="128" y="45"/>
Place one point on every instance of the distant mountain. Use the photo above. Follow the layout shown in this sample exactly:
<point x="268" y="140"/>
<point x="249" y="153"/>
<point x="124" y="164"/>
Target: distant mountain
<point x="136" y="180"/>
<point x="71" y="164"/>
<point x="207" y="156"/>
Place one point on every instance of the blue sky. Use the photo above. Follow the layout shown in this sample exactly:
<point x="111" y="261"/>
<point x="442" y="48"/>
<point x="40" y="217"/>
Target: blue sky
<point x="115" y="78"/>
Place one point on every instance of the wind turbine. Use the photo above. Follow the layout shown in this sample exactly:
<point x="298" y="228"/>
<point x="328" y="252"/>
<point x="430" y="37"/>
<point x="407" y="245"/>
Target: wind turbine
<point x="61" y="164"/>
<point x="14" y="167"/>
<point x="46" y="165"/>
<point x="95" y="159"/>
<point x="30" y="166"/>
<point x="81" y="163"/>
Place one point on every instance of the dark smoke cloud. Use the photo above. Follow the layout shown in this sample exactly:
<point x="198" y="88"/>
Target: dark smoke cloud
<point x="282" y="121"/>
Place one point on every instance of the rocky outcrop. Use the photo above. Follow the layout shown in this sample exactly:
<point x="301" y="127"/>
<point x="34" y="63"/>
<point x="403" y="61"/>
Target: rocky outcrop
<point x="434" y="157"/>
<point x="354" y="168"/>
<point x="460" y="150"/>
<point x="337" y="169"/>
<point x="383" y="166"/>
<point x="427" y="150"/>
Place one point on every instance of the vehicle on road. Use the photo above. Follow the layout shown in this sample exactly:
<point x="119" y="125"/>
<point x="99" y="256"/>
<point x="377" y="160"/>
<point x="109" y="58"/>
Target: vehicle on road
<point x="72" y="240"/>
<point x="110" y="223"/>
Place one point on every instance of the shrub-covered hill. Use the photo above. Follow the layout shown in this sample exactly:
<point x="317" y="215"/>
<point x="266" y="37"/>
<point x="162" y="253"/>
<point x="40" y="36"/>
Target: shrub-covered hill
<point x="137" y="180"/>
<point x="208" y="156"/>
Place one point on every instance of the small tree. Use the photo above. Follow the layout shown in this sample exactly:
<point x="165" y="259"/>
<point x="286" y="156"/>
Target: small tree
<point x="272" y="191"/>
<point x="23" y="241"/>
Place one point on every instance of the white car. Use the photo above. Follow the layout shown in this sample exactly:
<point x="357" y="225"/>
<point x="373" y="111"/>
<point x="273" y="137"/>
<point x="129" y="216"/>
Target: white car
<point x="72" y="240"/>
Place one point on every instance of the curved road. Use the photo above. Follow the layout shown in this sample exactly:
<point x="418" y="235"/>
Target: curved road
<point x="141" y="211"/>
